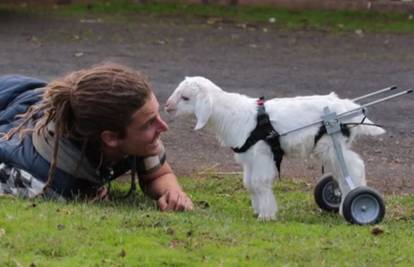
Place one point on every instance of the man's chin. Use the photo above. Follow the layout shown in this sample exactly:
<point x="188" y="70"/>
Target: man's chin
<point x="154" y="149"/>
<point x="150" y="154"/>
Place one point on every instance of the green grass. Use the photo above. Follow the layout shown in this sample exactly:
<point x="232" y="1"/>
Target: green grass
<point x="221" y="231"/>
<point x="336" y="21"/>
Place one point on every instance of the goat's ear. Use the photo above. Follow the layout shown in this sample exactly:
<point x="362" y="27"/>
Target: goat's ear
<point x="202" y="110"/>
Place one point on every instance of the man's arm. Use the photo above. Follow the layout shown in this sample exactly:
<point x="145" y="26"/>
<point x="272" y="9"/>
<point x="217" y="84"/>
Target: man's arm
<point x="163" y="186"/>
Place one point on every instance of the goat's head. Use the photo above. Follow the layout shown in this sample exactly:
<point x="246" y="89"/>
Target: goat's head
<point x="192" y="96"/>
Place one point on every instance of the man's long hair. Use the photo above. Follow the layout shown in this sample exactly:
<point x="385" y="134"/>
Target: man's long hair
<point x="84" y="103"/>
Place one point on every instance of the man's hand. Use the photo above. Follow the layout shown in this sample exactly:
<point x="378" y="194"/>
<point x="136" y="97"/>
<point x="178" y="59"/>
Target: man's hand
<point x="162" y="185"/>
<point x="173" y="200"/>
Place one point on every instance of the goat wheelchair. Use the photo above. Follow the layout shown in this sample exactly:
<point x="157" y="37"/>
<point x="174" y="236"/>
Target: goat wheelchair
<point x="362" y="205"/>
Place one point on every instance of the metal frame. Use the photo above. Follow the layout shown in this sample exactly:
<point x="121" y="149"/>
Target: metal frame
<point x="359" y="110"/>
<point x="332" y="122"/>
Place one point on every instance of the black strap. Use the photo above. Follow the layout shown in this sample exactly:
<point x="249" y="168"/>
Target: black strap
<point x="322" y="131"/>
<point x="345" y="129"/>
<point x="264" y="131"/>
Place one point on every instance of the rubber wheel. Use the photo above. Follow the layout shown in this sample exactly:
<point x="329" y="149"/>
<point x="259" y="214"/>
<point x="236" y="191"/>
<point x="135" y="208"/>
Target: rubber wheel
<point x="363" y="205"/>
<point x="327" y="194"/>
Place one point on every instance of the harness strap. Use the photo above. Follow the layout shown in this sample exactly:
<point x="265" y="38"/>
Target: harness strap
<point x="322" y="131"/>
<point x="345" y="129"/>
<point x="264" y="131"/>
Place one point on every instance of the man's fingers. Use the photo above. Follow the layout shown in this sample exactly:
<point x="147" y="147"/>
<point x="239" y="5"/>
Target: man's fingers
<point x="176" y="201"/>
<point x="188" y="204"/>
<point x="162" y="203"/>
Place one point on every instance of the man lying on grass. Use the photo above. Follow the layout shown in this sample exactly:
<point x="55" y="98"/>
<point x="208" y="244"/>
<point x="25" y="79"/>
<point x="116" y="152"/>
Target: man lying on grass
<point x="82" y="131"/>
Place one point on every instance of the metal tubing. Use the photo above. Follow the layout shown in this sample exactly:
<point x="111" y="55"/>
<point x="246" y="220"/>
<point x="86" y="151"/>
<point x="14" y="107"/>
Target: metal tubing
<point x="333" y="128"/>
<point x="353" y="112"/>
<point x="301" y="128"/>
<point x="375" y="93"/>
<point x="362" y="107"/>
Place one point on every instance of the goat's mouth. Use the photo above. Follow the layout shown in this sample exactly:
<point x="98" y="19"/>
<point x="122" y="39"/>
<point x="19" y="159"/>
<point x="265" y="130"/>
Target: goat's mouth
<point x="170" y="111"/>
<point x="171" y="114"/>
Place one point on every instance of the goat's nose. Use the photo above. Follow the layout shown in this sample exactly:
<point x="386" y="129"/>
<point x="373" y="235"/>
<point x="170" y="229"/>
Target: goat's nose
<point x="169" y="107"/>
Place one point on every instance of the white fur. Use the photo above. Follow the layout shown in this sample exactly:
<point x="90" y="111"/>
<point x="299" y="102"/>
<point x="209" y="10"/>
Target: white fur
<point x="233" y="116"/>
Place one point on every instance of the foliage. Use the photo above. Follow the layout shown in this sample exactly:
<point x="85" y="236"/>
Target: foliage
<point x="337" y="21"/>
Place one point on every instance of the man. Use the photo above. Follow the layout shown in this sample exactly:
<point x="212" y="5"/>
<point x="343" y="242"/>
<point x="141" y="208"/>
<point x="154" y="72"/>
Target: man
<point x="88" y="128"/>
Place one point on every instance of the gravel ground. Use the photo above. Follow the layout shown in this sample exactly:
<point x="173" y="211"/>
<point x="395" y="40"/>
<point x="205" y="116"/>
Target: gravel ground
<point x="251" y="59"/>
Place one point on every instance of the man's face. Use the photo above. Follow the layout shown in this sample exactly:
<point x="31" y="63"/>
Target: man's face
<point x="142" y="134"/>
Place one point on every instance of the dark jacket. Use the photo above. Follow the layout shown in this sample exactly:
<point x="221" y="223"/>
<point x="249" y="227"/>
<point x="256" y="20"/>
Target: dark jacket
<point x="30" y="154"/>
<point x="17" y="94"/>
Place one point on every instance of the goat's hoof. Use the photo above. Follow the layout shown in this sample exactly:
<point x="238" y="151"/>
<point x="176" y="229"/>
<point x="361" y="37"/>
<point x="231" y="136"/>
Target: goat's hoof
<point x="266" y="217"/>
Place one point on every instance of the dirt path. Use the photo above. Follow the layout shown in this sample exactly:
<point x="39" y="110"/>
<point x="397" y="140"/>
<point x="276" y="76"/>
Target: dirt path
<point x="252" y="59"/>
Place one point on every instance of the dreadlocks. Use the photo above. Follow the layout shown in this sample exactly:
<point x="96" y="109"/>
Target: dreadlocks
<point x="84" y="103"/>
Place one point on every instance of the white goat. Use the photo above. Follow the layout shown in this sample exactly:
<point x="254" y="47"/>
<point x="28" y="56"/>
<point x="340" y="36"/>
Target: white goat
<point x="233" y="116"/>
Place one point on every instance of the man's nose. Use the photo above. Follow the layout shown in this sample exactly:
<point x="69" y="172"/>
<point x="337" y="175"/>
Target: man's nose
<point x="162" y="125"/>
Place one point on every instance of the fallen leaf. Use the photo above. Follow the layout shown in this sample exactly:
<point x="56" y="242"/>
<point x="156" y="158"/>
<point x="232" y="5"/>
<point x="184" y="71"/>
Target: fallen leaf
<point x="359" y="32"/>
<point x="91" y="21"/>
<point x="376" y="230"/>
<point x="203" y="204"/>
<point x="174" y="243"/>
<point x="160" y="42"/>
<point x="242" y="25"/>
<point x="16" y="263"/>
<point x="2" y="232"/>
<point x="170" y="231"/>
<point x="212" y="21"/>
<point x="122" y="253"/>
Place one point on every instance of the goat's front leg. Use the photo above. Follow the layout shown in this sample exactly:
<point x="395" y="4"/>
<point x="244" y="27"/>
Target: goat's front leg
<point x="247" y="182"/>
<point x="259" y="171"/>
<point x="260" y="186"/>
<point x="264" y="199"/>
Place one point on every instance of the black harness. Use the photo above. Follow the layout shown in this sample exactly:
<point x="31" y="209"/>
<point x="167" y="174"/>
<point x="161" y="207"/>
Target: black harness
<point x="264" y="131"/>
<point x="322" y="131"/>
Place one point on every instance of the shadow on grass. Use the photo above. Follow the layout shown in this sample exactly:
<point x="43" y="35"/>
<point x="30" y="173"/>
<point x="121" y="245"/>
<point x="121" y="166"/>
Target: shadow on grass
<point x="122" y="198"/>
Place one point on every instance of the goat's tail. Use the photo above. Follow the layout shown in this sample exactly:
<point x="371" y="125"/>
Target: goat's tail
<point x="367" y="127"/>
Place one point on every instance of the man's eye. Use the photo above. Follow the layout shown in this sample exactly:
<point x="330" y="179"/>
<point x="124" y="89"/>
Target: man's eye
<point x="185" y="98"/>
<point x="144" y="127"/>
<point x="148" y="124"/>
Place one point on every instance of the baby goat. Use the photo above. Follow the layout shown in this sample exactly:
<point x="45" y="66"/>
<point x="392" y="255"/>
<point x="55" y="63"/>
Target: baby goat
<point x="234" y="116"/>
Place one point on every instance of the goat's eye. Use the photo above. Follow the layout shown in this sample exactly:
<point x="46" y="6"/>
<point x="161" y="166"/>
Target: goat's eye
<point x="185" y="98"/>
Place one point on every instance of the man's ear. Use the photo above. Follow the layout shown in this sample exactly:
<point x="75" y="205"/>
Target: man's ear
<point x="110" y="138"/>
